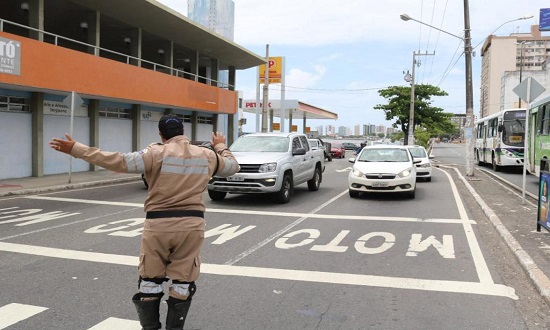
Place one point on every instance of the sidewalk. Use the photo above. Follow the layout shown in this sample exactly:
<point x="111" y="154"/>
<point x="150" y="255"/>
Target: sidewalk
<point x="514" y="221"/>
<point x="36" y="185"/>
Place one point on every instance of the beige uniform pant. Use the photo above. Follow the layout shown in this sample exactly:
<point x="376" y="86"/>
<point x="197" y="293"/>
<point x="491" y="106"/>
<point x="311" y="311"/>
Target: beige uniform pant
<point x="175" y="255"/>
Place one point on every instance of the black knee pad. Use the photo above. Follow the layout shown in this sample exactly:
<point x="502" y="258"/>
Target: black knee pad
<point x="192" y="287"/>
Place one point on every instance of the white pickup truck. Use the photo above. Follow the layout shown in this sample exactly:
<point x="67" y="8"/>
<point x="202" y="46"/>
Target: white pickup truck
<point x="271" y="163"/>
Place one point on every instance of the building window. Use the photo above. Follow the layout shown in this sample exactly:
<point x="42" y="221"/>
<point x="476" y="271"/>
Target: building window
<point x="114" y="112"/>
<point x="15" y="104"/>
<point x="204" y="120"/>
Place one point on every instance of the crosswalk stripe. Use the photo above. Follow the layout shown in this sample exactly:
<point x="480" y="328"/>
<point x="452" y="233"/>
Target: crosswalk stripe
<point x="116" y="323"/>
<point x="13" y="313"/>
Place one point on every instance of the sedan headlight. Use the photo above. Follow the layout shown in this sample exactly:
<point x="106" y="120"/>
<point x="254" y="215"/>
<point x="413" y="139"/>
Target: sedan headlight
<point x="425" y="165"/>
<point x="357" y="173"/>
<point x="405" y="173"/>
<point x="268" y="167"/>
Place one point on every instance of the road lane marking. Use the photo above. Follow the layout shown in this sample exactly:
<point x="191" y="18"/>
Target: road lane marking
<point x="488" y="289"/>
<point x="479" y="261"/>
<point x="274" y="214"/>
<point x="118" y="324"/>
<point x="14" y="313"/>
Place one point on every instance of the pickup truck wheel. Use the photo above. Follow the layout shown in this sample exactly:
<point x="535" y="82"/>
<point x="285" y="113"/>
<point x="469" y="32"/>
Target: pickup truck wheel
<point x="329" y="158"/>
<point x="216" y="195"/>
<point x="283" y="196"/>
<point x="315" y="182"/>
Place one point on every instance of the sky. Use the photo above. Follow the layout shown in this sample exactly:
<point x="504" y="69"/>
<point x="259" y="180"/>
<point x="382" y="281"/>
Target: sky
<point x="339" y="54"/>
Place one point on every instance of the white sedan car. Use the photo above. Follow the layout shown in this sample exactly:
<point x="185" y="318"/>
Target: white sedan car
<point x="383" y="169"/>
<point x="424" y="168"/>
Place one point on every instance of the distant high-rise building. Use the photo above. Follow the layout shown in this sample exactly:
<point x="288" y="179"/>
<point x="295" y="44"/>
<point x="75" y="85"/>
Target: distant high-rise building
<point x="342" y="131"/>
<point x="216" y="15"/>
<point x="518" y="52"/>
<point x="357" y="130"/>
<point x="320" y="130"/>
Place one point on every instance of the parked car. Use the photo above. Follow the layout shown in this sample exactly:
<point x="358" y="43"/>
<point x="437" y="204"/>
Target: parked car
<point x="384" y="169"/>
<point x="424" y="168"/>
<point x="349" y="145"/>
<point x="337" y="150"/>
<point x="316" y="143"/>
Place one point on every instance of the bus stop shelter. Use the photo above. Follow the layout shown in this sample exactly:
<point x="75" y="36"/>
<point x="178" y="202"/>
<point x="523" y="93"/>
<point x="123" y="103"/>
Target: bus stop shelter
<point x="293" y="110"/>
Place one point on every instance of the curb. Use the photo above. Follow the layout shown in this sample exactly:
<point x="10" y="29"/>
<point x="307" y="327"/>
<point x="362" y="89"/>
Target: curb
<point x="68" y="186"/>
<point x="537" y="276"/>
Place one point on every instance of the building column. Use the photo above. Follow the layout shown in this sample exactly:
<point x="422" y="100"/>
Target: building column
<point x="194" y="63"/>
<point x="290" y="121"/>
<point x="93" y="114"/>
<point x="136" y="127"/>
<point x="93" y="32"/>
<point x="304" y="123"/>
<point x="194" y="124"/>
<point x="134" y="47"/>
<point x="214" y="72"/>
<point x="36" y="19"/>
<point x="37" y="113"/>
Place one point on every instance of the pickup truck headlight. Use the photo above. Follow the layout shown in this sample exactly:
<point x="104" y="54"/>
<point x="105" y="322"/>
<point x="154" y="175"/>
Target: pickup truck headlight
<point x="269" y="167"/>
<point x="404" y="173"/>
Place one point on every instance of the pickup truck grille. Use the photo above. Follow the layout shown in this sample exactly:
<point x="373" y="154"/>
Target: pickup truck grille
<point x="249" y="168"/>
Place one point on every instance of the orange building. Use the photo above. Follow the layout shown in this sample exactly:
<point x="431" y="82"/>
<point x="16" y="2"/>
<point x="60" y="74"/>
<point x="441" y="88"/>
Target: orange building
<point x="129" y="61"/>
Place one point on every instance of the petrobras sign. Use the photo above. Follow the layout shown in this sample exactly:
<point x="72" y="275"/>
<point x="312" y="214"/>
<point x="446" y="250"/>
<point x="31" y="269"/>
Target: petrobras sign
<point x="10" y="56"/>
<point x="57" y="108"/>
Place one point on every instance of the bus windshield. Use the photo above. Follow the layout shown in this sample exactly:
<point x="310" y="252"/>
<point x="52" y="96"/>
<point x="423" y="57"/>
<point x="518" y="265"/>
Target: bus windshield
<point x="513" y="132"/>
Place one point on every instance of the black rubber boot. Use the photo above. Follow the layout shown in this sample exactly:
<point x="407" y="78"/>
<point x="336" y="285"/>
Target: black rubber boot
<point x="148" y="311"/>
<point x="177" y="312"/>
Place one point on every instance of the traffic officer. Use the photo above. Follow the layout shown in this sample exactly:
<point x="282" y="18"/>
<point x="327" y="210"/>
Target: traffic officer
<point x="173" y="232"/>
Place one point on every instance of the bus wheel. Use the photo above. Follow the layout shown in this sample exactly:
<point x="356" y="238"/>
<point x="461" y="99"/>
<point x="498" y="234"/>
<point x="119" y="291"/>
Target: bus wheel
<point x="478" y="160"/>
<point x="496" y="168"/>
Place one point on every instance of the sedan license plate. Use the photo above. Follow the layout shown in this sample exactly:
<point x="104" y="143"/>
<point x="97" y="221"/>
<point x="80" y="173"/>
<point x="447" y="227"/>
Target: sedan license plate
<point x="379" y="184"/>
<point x="235" y="178"/>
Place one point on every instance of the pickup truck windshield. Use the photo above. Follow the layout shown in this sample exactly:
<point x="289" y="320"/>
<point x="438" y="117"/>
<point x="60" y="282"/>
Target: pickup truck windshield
<point x="260" y="144"/>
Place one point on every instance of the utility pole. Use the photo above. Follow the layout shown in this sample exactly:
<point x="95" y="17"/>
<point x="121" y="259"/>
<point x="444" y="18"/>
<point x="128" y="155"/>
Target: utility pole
<point x="410" y="137"/>
<point x="469" y="127"/>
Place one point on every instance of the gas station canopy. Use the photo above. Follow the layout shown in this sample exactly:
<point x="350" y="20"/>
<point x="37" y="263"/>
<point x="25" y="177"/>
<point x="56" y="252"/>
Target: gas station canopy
<point x="294" y="109"/>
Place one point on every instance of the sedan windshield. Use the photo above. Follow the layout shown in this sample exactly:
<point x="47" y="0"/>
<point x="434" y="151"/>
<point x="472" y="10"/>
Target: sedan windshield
<point x="260" y="144"/>
<point x="383" y="155"/>
<point x="418" y="152"/>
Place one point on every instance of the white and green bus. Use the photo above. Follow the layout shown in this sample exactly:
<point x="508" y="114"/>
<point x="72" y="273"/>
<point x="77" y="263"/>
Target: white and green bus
<point x="538" y="137"/>
<point x="500" y="139"/>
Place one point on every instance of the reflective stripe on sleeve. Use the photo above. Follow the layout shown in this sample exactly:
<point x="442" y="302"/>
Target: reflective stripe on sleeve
<point x="134" y="161"/>
<point x="230" y="166"/>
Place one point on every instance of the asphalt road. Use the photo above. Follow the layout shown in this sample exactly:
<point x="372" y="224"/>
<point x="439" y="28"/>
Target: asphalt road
<point x="322" y="261"/>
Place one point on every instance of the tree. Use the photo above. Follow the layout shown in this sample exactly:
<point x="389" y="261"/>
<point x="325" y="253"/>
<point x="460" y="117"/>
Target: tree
<point x="425" y="115"/>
